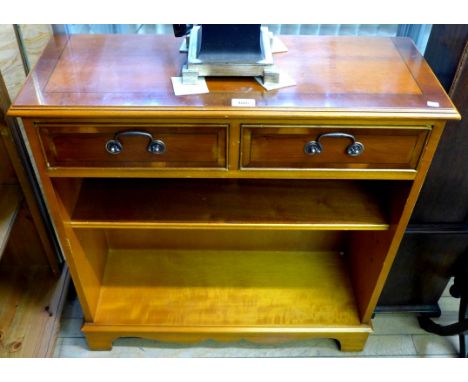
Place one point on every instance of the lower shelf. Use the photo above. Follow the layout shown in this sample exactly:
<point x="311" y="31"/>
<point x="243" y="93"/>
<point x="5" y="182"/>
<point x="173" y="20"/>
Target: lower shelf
<point x="194" y="288"/>
<point x="186" y="285"/>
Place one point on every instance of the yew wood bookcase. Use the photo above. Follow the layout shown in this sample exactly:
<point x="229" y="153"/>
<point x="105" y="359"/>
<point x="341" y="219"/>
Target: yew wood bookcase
<point x="184" y="218"/>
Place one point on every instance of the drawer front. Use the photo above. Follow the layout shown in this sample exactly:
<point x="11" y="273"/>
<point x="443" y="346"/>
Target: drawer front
<point x="181" y="146"/>
<point x="295" y="147"/>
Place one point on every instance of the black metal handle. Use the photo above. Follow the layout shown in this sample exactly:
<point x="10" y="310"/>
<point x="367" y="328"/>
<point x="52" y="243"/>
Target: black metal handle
<point x="114" y="146"/>
<point x="315" y="147"/>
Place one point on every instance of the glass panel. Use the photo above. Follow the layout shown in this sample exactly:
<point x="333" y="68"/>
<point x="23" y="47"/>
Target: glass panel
<point x="418" y="32"/>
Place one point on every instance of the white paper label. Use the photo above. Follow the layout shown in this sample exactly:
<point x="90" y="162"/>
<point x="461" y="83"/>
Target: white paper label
<point x="433" y="104"/>
<point x="243" y="102"/>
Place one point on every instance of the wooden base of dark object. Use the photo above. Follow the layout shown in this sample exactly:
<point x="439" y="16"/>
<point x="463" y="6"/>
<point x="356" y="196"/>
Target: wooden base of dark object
<point x="459" y="289"/>
<point x="459" y="328"/>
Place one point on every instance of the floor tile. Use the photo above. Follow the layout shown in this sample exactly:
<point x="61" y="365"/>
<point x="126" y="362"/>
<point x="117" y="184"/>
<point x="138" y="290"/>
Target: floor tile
<point x="305" y="348"/>
<point x="404" y="323"/>
<point x="447" y="318"/>
<point x="71" y="327"/>
<point x="72" y="309"/>
<point x="377" y="346"/>
<point x="449" y="304"/>
<point x="58" y="348"/>
<point x="135" y="347"/>
<point x="430" y="345"/>
<point x="77" y="348"/>
<point x="386" y="346"/>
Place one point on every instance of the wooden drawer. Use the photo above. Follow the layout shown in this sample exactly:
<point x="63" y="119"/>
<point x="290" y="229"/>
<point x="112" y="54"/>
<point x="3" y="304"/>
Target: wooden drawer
<point x="286" y="147"/>
<point x="181" y="146"/>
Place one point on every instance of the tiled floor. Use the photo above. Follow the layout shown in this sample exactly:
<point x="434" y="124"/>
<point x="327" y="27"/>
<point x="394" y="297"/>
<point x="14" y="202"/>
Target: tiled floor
<point x="396" y="335"/>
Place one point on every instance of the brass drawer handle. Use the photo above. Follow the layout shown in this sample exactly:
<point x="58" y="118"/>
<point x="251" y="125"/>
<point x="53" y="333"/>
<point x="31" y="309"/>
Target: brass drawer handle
<point x="315" y="147"/>
<point x="114" y="146"/>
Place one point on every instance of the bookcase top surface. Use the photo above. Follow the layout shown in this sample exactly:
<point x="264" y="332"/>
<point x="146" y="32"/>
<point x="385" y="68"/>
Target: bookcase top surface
<point x="359" y="75"/>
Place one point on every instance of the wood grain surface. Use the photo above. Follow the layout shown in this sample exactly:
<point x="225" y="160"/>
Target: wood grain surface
<point x="186" y="146"/>
<point x="283" y="147"/>
<point x="27" y="327"/>
<point x="228" y="288"/>
<point x="134" y="71"/>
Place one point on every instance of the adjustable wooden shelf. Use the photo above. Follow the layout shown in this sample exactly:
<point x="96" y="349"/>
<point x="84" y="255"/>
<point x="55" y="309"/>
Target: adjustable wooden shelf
<point x="183" y="218"/>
